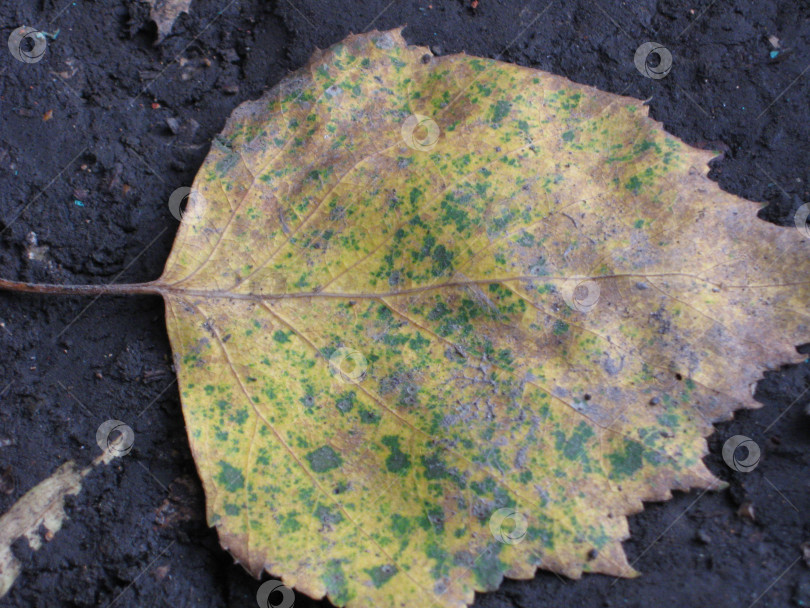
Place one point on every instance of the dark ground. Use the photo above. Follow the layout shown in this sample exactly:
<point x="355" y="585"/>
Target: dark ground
<point x="136" y="534"/>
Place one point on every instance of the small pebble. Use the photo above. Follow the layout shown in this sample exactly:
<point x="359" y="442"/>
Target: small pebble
<point x="230" y="55"/>
<point x="746" y="511"/>
<point x="805" y="547"/>
<point x="173" y="124"/>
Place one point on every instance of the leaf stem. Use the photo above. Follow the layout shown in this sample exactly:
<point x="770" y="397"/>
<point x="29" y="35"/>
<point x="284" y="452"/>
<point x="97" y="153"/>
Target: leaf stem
<point x="81" y="290"/>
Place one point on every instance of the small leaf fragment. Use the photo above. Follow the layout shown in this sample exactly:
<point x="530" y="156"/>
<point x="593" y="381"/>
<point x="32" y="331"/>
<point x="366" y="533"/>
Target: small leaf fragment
<point x="164" y="13"/>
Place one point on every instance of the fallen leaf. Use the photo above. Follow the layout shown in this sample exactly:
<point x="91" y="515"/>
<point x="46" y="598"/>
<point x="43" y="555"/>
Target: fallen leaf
<point x="164" y="13"/>
<point x="39" y="514"/>
<point x="441" y="320"/>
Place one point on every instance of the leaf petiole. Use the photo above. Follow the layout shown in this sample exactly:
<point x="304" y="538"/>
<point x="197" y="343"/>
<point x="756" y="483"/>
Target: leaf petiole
<point x="80" y="290"/>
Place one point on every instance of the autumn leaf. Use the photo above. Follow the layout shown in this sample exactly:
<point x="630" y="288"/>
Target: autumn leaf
<point x="40" y="513"/>
<point x="441" y="320"/>
<point x="417" y="293"/>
